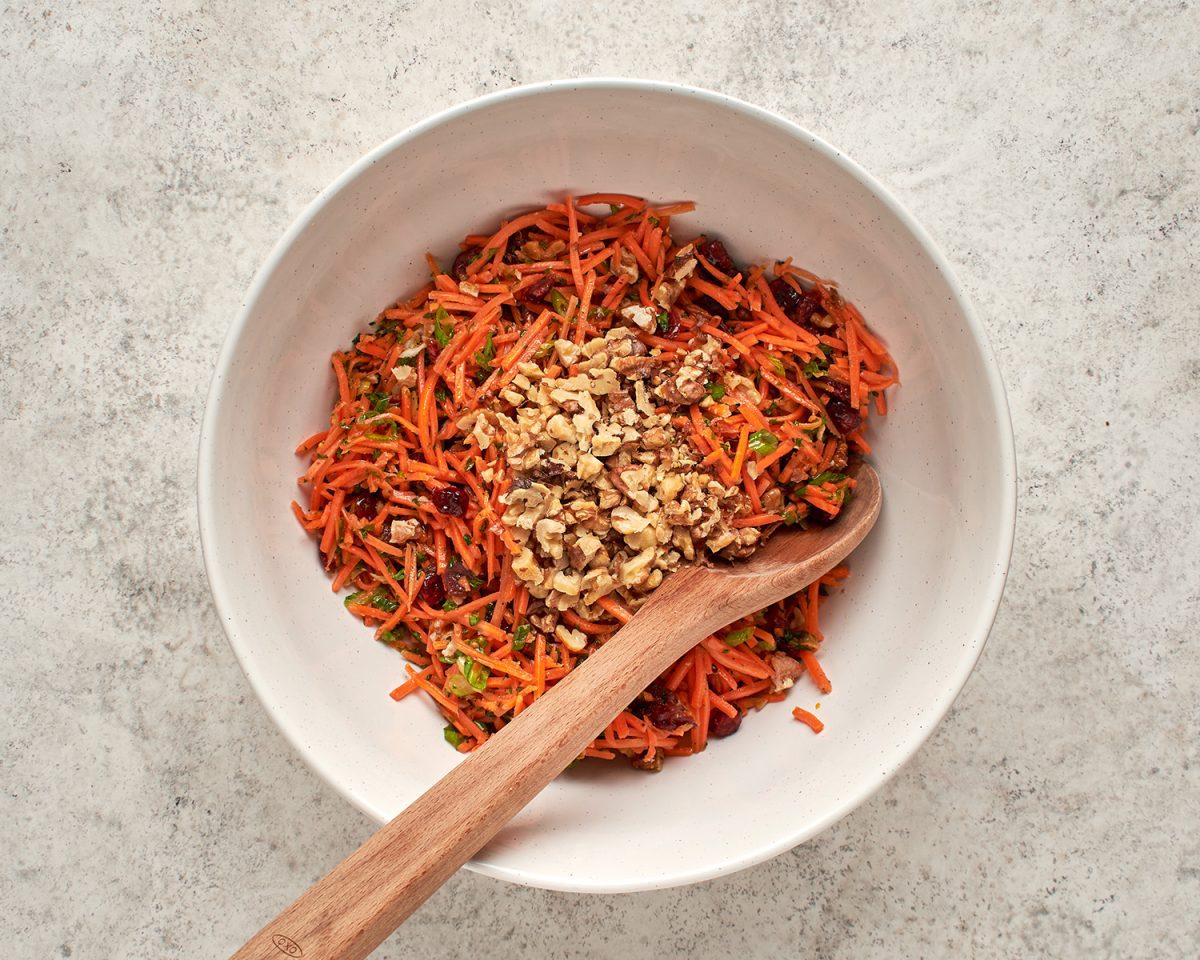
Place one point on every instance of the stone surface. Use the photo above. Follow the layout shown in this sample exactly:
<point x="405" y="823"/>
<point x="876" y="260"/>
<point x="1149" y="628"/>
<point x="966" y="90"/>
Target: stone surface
<point x="152" y="154"/>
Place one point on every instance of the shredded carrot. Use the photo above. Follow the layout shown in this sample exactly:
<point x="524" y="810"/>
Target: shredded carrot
<point x="809" y="719"/>
<point x="815" y="671"/>
<point x="406" y="500"/>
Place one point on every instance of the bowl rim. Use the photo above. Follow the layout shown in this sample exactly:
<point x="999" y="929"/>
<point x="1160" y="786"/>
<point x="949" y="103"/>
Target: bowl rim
<point x="976" y="637"/>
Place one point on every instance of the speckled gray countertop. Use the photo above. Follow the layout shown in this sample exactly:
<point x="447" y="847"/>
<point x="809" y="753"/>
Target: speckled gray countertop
<point x="151" y="156"/>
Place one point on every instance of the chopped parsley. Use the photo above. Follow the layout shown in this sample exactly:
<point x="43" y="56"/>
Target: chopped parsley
<point x="443" y="329"/>
<point x="815" y="369"/>
<point x="520" y="636"/>
<point x="715" y="390"/>
<point x="829" y="476"/>
<point x="453" y="737"/>
<point x="377" y="598"/>
<point x="457" y="685"/>
<point x="798" y="640"/>
<point x="558" y="302"/>
<point x="380" y="402"/>
<point x="663" y="320"/>
<point x="486" y="354"/>
<point x="735" y="637"/>
<point x="476" y="673"/>
<point x="763" y="441"/>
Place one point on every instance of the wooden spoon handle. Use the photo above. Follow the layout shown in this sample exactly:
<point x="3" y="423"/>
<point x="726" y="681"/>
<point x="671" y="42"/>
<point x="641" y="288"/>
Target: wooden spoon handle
<point x="350" y="912"/>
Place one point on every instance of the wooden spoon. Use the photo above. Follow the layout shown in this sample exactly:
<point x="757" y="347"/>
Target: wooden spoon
<point x="365" y="897"/>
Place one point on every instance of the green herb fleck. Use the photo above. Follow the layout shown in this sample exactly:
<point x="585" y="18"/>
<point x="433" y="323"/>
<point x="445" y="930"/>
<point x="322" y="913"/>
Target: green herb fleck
<point x="798" y="640"/>
<point x="453" y="737"/>
<point x="558" y="302"/>
<point x="664" y="321"/>
<point x="476" y="673"/>
<point x="519" y="636"/>
<point x="815" y="369"/>
<point x="778" y="367"/>
<point x="457" y="685"/>
<point x="377" y="598"/>
<point x="763" y="441"/>
<point x="614" y="208"/>
<point x="735" y="637"/>
<point x="443" y="329"/>
<point x="449" y="605"/>
<point x="380" y="402"/>
<point x="829" y="476"/>
<point x="715" y="390"/>
<point x="397" y="639"/>
<point x="473" y="619"/>
<point x="485" y="355"/>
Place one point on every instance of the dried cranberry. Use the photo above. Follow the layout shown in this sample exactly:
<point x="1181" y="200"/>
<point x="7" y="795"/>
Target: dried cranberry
<point x="364" y="505"/>
<point x="457" y="581"/>
<point x="515" y="243"/>
<point x="722" y="725"/>
<point x="844" y="416"/>
<point x="713" y="250"/>
<point x="538" y="290"/>
<point x="804" y="310"/>
<point x="813" y="516"/>
<point x="835" y="388"/>
<point x="432" y="349"/>
<point x="668" y="712"/>
<point x="710" y="306"/>
<point x="433" y="591"/>
<point x="459" y="269"/>
<point x="785" y="295"/>
<point x="451" y="501"/>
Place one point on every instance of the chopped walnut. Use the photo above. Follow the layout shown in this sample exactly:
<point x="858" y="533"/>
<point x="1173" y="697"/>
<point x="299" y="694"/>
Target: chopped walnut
<point x="403" y="531"/>
<point x="628" y="267"/>
<point x="668" y="289"/>
<point x="574" y="640"/>
<point x="644" y="317"/>
<point x="784" y="671"/>
<point x="606" y="494"/>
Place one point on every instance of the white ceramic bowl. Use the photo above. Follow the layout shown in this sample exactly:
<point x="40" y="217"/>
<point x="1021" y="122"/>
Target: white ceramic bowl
<point x="903" y="637"/>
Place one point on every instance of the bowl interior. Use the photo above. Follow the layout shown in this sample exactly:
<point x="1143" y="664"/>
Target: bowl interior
<point x="923" y="590"/>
